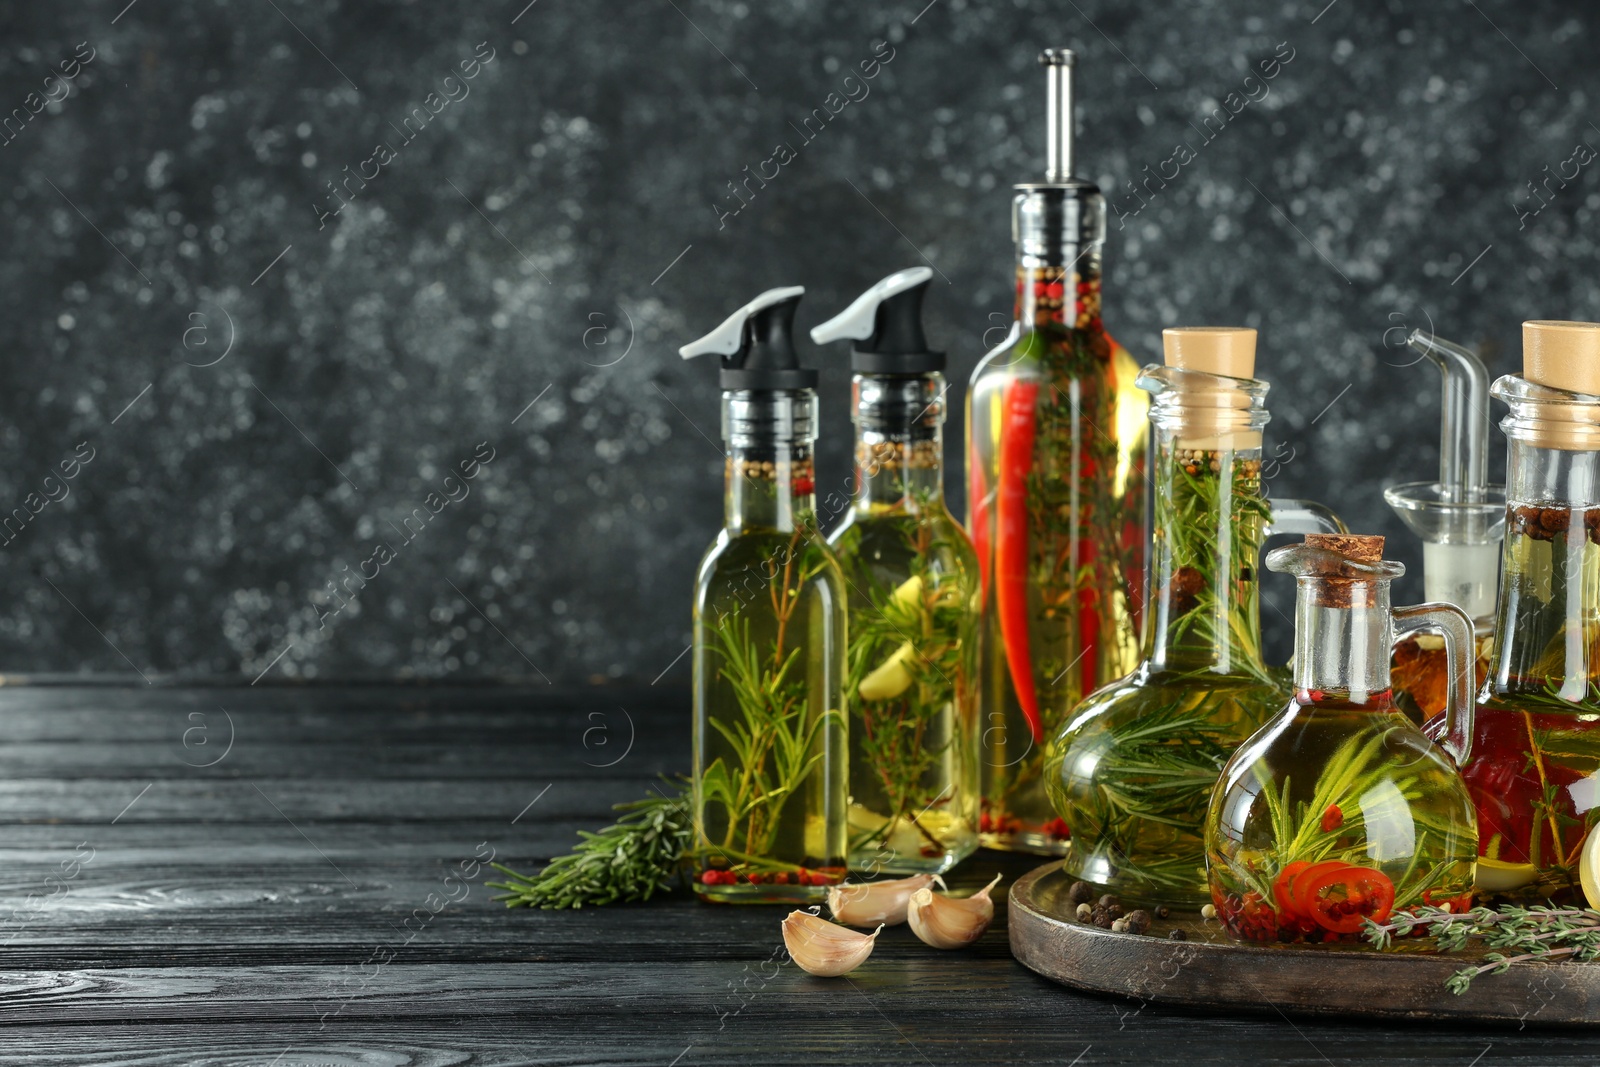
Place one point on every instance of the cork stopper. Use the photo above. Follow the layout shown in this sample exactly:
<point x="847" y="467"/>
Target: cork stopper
<point x="1332" y="586"/>
<point x="1226" y="350"/>
<point x="1562" y="355"/>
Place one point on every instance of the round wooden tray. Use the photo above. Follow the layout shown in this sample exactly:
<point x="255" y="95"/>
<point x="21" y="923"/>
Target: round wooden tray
<point x="1212" y="970"/>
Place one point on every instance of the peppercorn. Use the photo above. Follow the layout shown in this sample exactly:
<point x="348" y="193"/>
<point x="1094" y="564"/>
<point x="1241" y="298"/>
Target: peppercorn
<point x="1209" y="911"/>
<point x="1083" y="912"/>
<point x="1138" y="921"/>
<point x="1115" y="911"/>
<point x="1119" y="926"/>
<point x="1108" y="900"/>
<point x="1178" y="935"/>
<point x="1101" y="917"/>
<point x="1162" y="911"/>
<point x="1081" y="893"/>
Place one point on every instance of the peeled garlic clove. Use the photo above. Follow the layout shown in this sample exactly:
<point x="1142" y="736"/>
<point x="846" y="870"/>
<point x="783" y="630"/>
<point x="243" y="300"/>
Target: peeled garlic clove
<point x="825" y="949"/>
<point x="951" y="922"/>
<point x="865" y="903"/>
<point x="890" y="678"/>
<point x="908" y="594"/>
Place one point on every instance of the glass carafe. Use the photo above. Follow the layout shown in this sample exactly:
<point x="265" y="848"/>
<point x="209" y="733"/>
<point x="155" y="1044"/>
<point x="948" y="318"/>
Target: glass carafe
<point x="1132" y="767"/>
<point x="911" y="671"/>
<point x="769" y="628"/>
<point x="1535" y="768"/>
<point x="1056" y="452"/>
<point x="1340" y="810"/>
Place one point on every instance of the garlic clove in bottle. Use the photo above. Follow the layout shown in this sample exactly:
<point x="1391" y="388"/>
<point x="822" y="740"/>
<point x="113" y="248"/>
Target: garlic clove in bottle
<point x="865" y="903"/>
<point x="950" y="922"/>
<point x="891" y="677"/>
<point x="825" y="949"/>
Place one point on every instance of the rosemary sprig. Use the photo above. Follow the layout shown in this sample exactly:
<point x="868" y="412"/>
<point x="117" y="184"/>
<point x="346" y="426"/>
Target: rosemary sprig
<point x="632" y="859"/>
<point x="1536" y="933"/>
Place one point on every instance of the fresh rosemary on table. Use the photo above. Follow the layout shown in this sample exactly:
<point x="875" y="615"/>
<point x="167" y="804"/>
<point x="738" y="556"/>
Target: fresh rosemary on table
<point x="1530" y="934"/>
<point x="632" y="859"/>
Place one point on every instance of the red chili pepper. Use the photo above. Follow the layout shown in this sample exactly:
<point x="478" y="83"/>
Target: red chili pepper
<point x="978" y="521"/>
<point x="1332" y="819"/>
<point x="1011" y="544"/>
<point x="1340" y="900"/>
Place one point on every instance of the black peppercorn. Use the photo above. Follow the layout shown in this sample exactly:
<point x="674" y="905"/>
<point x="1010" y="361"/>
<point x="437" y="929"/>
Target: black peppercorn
<point x="1102" y="918"/>
<point x="1178" y="935"/>
<point x="1138" y="921"/>
<point x="1115" y="911"/>
<point x="1107" y="900"/>
<point x="1081" y="893"/>
<point x="1162" y="911"/>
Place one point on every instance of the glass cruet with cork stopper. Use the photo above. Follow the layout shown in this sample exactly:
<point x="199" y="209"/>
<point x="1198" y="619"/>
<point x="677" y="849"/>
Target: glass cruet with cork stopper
<point x="1340" y="810"/>
<point x="1131" y="769"/>
<point x="769" y="756"/>
<point x="1460" y="519"/>
<point x="1535" y="768"/>
<point x="910" y="685"/>
<point x="1055" y="454"/>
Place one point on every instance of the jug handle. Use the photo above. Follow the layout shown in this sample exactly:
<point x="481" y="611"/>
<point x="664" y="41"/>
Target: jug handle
<point x="1461" y="654"/>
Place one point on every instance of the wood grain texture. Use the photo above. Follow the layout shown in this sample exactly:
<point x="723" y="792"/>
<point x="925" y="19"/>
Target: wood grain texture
<point x="285" y="907"/>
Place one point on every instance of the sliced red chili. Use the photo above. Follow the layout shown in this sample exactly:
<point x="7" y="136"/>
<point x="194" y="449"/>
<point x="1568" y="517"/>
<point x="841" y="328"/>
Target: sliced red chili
<point x="1340" y="900"/>
<point x="1011" y="544"/>
<point x="1332" y="819"/>
<point x="1281" y="888"/>
<point x="1298" y="901"/>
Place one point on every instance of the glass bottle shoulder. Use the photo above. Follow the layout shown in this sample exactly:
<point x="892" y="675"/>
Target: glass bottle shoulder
<point x="740" y="562"/>
<point x="1179" y="702"/>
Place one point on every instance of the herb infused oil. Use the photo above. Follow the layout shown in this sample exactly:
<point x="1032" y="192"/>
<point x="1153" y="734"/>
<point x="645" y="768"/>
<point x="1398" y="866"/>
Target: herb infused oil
<point x="769" y="637"/>
<point x="1535" y="768"/>
<point x="1056" y="453"/>
<point x="912" y="581"/>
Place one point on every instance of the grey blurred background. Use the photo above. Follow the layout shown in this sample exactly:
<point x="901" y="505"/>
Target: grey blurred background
<point x="267" y="388"/>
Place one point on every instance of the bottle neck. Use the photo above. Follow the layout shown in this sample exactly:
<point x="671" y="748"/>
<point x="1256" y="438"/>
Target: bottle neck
<point x="899" y="441"/>
<point x="769" y="476"/>
<point x="1060" y="231"/>
<point x="1549" y="611"/>
<point x="1207" y="525"/>
<point x="1343" y="631"/>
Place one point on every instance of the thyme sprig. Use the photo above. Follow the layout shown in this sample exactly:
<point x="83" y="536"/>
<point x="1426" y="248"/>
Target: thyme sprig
<point x="632" y="859"/>
<point x="1534" y="933"/>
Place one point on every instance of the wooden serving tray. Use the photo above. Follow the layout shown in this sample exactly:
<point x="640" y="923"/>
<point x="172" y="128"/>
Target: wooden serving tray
<point x="1212" y="970"/>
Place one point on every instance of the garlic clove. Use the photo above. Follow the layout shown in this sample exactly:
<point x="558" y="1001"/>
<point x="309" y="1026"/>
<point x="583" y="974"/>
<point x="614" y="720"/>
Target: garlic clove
<point x="865" y="903"/>
<point x="825" y="949"/>
<point x="890" y="678"/>
<point x="908" y="594"/>
<point x="950" y="922"/>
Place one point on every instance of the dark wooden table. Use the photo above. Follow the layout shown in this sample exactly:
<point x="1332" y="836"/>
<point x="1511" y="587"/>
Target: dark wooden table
<point x="246" y="876"/>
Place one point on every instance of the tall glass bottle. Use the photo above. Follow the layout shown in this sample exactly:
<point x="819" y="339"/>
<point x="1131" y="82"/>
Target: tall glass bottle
<point x="1131" y="769"/>
<point x="1535" y="767"/>
<point x="912" y="581"/>
<point x="1339" y="810"/>
<point x="769" y="635"/>
<point x="1056" y="451"/>
<point x="1460" y="519"/>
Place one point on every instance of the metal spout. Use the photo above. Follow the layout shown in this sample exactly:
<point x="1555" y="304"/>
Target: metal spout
<point x="1058" y="64"/>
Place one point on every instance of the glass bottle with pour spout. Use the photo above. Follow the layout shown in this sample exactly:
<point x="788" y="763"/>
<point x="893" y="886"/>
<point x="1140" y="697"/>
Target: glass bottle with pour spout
<point x="1056" y="452"/>
<point x="769" y="754"/>
<point x="1460" y="519"/>
<point x="911" y="576"/>
<point x="1340" y="810"/>
<point x="1131" y="769"/>
<point x="1535" y="767"/>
